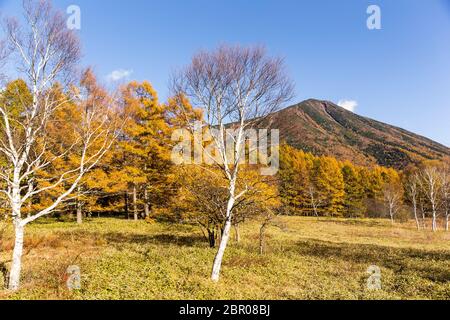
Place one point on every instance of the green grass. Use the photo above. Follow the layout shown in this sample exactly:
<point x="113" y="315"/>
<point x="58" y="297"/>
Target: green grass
<point x="311" y="259"/>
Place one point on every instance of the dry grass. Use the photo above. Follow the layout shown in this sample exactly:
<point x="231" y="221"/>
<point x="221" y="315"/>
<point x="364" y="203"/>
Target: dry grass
<point x="312" y="259"/>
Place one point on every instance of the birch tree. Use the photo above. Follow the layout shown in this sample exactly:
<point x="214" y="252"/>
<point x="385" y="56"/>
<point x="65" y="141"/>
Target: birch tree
<point x="412" y="191"/>
<point x="238" y="85"/>
<point x="45" y="53"/>
<point x="392" y="198"/>
<point x="315" y="199"/>
<point x="431" y="186"/>
<point x="445" y="178"/>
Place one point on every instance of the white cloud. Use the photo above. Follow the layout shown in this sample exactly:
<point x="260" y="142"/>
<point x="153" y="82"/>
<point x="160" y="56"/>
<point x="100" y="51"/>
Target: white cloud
<point x="349" y="105"/>
<point x="118" y="75"/>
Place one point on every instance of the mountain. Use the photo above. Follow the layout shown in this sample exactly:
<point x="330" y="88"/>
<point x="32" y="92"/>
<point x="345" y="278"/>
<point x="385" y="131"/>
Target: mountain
<point x="323" y="128"/>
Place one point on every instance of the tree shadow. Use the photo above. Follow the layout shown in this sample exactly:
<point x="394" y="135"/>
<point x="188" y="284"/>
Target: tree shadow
<point x="353" y="222"/>
<point x="432" y="265"/>
<point x="114" y="238"/>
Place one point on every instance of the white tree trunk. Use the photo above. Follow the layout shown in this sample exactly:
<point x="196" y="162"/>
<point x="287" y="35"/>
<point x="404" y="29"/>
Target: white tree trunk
<point x="14" y="275"/>
<point x="219" y="257"/>
<point x="79" y="213"/>
<point x="415" y="215"/>
<point x="217" y="265"/>
<point x="434" y="224"/>
<point x="391" y="213"/>
<point x="424" y="222"/>
<point x="79" y="208"/>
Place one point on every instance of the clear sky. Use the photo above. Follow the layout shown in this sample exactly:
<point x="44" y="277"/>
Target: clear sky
<point x="399" y="74"/>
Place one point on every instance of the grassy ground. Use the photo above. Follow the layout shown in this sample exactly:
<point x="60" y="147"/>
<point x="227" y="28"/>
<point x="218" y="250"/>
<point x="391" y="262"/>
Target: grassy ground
<point x="311" y="259"/>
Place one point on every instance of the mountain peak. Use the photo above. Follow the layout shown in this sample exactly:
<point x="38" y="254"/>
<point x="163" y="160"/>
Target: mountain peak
<point x="324" y="128"/>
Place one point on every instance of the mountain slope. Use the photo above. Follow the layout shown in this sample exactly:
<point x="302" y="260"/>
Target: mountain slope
<point x="323" y="128"/>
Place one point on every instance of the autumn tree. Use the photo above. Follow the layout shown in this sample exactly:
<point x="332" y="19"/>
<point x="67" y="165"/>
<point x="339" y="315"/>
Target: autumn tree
<point x="294" y="179"/>
<point x="44" y="51"/>
<point x="203" y="196"/>
<point x="329" y="182"/>
<point x="145" y="147"/>
<point x="239" y="85"/>
<point x="354" y="190"/>
<point x="89" y="95"/>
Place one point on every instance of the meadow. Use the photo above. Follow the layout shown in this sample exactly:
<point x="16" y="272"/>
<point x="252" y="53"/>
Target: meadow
<point x="309" y="258"/>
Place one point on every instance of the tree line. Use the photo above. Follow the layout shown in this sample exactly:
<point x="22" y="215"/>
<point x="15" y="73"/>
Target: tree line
<point x="324" y="186"/>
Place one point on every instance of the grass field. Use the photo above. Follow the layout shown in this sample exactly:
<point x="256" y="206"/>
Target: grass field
<point x="310" y="259"/>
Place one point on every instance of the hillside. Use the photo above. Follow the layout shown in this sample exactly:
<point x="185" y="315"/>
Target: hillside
<point x="323" y="128"/>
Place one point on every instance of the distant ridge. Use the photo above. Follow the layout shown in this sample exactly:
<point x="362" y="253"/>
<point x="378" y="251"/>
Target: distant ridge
<point x="323" y="128"/>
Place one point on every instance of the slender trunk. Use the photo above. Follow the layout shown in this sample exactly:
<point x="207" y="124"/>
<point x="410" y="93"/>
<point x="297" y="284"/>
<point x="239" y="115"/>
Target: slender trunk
<point x="16" y="266"/>
<point x="79" y="209"/>
<point x="212" y="238"/>
<point x="447" y="222"/>
<point x="146" y="204"/>
<point x="424" y="224"/>
<point x="127" y="212"/>
<point x="391" y="214"/>
<point x="219" y="234"/>
<point x="237" y="233"/>
<point x="219" y="257"/>
<point x="262" y="234"/>
<point x="135" y="209"/>
<point x="415" y="215"/>
<point x="217" y="265"/>
<point x="434" y="224"/>
<point x="3" y="276"/>
<point x="79" y="214"/>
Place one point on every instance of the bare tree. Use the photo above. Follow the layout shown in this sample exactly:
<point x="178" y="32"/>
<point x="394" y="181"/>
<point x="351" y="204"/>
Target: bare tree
<point x="412" y="189"/>
<point x="45" y="53"/>
<point x="445" y="178"/>
<point x="269" y="218"/>
<point x="315" y="199"/>
<point x="431" y="185"/>
<point x="239" y="85"/>
<point x="392" y="198"/>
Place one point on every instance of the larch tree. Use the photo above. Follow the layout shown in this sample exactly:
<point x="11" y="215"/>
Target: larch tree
<point x="146" y="144"/>
<point x="329" y="182"/>
<point x="140" y="105"/>
<point x="294" y="180"/>
<point x="89" y="96"/>
<point x="354" y="191"/>
<point x="44" y="52"/>
<point x="238" y="85"/>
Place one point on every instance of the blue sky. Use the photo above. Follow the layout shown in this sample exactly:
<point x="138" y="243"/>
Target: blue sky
<point x="399" y="74"/>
